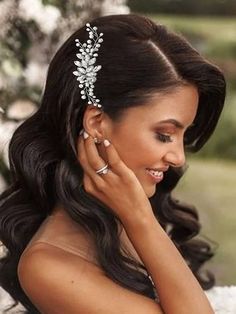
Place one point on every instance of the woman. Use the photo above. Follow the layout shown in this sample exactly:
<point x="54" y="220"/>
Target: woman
<point x="90" y="204"/>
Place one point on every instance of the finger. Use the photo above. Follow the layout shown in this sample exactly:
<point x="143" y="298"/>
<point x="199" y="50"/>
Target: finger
<point x="114" y="160"/>
<point x="89" y="185"/>
<point x="94" y="159"/>
<point x="83" y="159"/>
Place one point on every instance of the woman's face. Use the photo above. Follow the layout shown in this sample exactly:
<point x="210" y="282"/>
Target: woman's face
<point x="151" y="136"/>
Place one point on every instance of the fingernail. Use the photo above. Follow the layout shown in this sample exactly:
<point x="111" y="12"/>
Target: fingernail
<point x="106" y="143"/>
<point x="85" y="134"/>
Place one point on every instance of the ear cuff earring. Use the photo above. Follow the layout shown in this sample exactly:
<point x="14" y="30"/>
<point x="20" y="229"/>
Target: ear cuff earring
<point x="97" y="141"/>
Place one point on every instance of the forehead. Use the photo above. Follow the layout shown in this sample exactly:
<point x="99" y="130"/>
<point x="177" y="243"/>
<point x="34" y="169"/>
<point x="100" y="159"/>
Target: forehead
<point x="181" y="104"/>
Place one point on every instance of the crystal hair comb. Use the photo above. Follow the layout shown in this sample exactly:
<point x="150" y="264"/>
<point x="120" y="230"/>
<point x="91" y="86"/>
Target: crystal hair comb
<point x="86" y="69"/>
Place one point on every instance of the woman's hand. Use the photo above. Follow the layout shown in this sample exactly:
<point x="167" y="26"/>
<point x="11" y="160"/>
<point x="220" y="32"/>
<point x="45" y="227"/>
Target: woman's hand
<point x="119" y="189"/>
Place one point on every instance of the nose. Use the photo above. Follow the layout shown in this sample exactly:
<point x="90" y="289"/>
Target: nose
<point x="175" y="156"/>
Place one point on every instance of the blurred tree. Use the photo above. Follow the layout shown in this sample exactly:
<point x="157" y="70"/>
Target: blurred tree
<point x="31" y="31"/>
<point x="200" y="7"/>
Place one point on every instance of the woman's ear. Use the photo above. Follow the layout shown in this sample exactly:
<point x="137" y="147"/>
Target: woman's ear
<point x="94" y="122"/>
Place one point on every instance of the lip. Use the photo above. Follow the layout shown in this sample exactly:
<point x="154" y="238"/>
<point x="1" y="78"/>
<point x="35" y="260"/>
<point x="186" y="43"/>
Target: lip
<point x="154" y="178"/>
<point x="163" y="169"/>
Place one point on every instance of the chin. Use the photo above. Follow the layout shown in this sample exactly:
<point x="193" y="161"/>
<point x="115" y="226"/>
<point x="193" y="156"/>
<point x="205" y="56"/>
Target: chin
<point x="150" y="192"/>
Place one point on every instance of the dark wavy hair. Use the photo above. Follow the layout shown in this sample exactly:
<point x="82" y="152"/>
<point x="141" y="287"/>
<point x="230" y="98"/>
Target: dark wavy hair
<point x="138" y="58"/>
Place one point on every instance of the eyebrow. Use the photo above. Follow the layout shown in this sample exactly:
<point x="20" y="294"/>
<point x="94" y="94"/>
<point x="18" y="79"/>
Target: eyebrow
<point x="172" y="121"/>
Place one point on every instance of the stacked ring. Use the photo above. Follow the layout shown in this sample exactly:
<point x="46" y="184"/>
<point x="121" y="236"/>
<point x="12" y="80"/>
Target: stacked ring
<point x="103" y="170"/>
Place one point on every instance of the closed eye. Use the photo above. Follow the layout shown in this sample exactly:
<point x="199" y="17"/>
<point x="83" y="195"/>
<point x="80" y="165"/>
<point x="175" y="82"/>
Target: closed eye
<point x="164" y="138"/>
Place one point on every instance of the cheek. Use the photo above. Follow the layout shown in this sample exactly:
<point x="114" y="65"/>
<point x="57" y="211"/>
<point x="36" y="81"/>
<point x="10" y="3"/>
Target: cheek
<point x="139" y="151"/>
<point x="150" y="154"/>
<point x="128" y="152"/>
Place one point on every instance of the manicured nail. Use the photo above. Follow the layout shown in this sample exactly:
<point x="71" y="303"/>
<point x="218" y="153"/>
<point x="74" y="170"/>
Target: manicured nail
<point x="85" y="135"/>
<point x="106" y="143"/>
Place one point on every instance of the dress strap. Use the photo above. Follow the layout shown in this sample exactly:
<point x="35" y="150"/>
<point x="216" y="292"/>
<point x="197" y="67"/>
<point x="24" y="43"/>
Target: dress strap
<point x="67" y="235"/>
<point x="85" y="255"/>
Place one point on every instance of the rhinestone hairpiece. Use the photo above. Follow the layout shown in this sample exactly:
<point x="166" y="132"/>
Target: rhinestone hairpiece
<point x="86" y="70"/>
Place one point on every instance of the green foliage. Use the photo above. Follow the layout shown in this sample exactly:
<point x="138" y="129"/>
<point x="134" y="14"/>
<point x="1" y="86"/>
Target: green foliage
<point x="64" y="6"/>
<point x="18" y="41"/>
<point x="222" y="143"/>
<point x="223" y="50"/>
<point x="214" y="37"/>
<point x="191" y="7"/>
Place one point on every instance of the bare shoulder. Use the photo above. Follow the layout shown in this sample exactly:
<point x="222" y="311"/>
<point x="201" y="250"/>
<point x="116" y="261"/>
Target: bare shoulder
<point x="59" y="282"/>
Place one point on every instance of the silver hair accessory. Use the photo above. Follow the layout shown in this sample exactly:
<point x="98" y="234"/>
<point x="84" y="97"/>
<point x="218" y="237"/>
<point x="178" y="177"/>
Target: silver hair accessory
<point x="86" y="70"/>
<point x="103" y="170"/>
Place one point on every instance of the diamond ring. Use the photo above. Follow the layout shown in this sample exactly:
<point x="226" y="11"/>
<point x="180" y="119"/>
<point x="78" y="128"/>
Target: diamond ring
<point x="103" y="170"/>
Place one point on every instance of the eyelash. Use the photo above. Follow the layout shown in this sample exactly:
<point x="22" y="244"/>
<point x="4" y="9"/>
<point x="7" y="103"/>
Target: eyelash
<point x="164" y="138"/>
